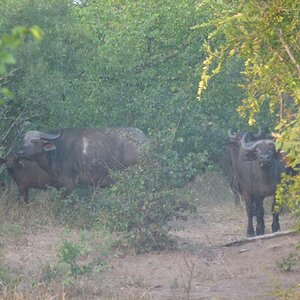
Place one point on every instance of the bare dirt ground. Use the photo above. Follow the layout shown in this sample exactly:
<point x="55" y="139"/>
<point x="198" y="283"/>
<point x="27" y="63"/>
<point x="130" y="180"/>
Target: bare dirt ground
<point x="201" y="267"/>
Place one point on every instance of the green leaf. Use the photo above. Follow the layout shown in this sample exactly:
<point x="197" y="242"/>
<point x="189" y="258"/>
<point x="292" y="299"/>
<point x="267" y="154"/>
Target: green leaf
<point x="2" y="68"/>
<point x="19" y="30"/>
<point x="6" y="92"/>
<point x="36" y="32"/>
<point x="7" y="58"/>
<point x="11" y="41"/>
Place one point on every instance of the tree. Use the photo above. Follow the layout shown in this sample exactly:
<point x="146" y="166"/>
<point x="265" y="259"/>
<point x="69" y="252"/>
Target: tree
<point x="265" y="36"/>
<point x="120" y="63"/>
<point x="8" y="42"/>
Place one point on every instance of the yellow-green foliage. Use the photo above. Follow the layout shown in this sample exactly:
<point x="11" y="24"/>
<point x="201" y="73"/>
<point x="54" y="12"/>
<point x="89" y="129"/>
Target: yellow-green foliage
<point x="289" y="142"/>
<point x="265" y="35"/>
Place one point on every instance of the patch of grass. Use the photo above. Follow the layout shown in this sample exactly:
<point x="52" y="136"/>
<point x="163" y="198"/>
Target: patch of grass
<point x="37" y="213"/>
<point x="10" y="231"/>
<point x="134" y="281"/>
<point x="212" y="187"/>
<point x="6" y="277"/>
<point x="39" y="292"/>
<point x="291" y="293"/>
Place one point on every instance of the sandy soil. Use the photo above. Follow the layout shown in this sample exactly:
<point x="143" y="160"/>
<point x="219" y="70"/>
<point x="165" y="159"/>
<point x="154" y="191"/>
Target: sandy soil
<point x="201" y="268"/>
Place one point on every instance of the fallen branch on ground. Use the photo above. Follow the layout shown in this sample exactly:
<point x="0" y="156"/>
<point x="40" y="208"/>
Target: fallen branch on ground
<point x="260" y="237"/>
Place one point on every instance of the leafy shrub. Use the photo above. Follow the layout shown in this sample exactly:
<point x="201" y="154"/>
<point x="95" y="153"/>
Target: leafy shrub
<point x="145" y="197"/>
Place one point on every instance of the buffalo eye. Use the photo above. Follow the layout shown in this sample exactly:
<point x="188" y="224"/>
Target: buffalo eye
<point x="49" y="146"/>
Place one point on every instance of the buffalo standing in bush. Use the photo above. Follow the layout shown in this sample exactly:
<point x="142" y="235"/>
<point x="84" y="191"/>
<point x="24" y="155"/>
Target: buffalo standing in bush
<point x="75" y="156"/>
<point x="258" y="168"/>
<point x="26" y="174"/>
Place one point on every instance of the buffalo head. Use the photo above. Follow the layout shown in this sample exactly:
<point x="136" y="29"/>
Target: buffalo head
<point x="37" y="142"/>
<point x="263" y="151"/>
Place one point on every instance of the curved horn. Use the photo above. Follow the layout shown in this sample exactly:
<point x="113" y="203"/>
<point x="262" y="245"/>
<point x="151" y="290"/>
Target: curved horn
<point x="249" y="146"/>
<point x="270" y="142"/>
<point x="50" y="136"/>
<point x="32" y="135"/>
<point x="258" y="134"/>
<point x="231" y="135"/>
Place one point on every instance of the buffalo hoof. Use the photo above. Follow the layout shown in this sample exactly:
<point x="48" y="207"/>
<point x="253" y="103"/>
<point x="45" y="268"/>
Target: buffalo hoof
<point x="275" y="227"/>
<point x="250" y="233"/>
<point x="260" y="230"/>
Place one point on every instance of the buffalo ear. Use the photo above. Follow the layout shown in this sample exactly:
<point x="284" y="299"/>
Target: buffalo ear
<point x="231" y="145"/>
<point x="49" y="146"/>
<point x="249" y="156"/>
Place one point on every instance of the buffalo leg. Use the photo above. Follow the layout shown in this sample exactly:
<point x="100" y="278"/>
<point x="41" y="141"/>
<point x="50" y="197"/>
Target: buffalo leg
<point x="68" y="186"/>
<point x="260" y="227"/>
<point x="275" y="223"/>
<point x="24" y="198"/>
<point x="249" y="209"/>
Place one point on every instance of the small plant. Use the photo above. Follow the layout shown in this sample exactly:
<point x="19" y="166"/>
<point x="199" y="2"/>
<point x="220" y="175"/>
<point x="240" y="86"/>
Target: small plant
<point x="82" y="255"/>
<point x="70" y="253"/>
<point x="288" y="263"/>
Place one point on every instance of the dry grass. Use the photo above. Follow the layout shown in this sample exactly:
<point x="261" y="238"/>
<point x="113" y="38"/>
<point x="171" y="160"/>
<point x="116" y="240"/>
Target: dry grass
<point x="200" y="267"/>
<point x="38" y="292"/>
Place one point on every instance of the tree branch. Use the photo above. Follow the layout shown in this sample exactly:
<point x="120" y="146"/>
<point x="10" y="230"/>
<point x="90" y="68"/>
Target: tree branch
<point x="260" y="237"/>
<point x="289" y="52"/>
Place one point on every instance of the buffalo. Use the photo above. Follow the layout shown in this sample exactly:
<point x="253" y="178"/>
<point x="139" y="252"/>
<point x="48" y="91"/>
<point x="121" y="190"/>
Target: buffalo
<point x="75" y="156"/>
<point x="227" y="167"/>
<point x="226" y="161"/>
<point x="26" y="174"/>
<point x="257" y="168"/>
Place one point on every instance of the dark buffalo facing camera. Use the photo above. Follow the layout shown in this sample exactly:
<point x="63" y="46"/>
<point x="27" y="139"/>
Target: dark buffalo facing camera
<point x="257" y="167"/>
<point x="75" y="156"/>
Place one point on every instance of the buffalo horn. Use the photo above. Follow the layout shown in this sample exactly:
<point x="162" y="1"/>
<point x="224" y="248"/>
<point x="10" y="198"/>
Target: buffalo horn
<point x="50" y="136"/>
<point x="258" y="134"/>
<point x="231" y="135"/>
<point x="250" y="146"/>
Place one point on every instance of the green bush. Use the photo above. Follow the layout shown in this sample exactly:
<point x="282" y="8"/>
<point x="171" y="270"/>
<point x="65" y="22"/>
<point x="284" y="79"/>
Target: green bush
<point x="146" y="197"/>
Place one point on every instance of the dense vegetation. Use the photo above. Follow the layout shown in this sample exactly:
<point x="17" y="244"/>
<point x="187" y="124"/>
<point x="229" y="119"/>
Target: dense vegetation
<point x="265" y="35"/>
<point x="127" y="63"/>
<point x="183" y="71"/>
<point x="117" y="63"/>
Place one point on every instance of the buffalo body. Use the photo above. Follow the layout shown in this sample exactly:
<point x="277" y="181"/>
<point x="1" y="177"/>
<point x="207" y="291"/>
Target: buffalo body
<point x="75" y="156"/>
<point x="257" y="168"/>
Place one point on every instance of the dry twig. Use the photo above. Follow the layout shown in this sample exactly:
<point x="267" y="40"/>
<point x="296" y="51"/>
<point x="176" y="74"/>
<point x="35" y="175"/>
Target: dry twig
<point x="260" y="237"/>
